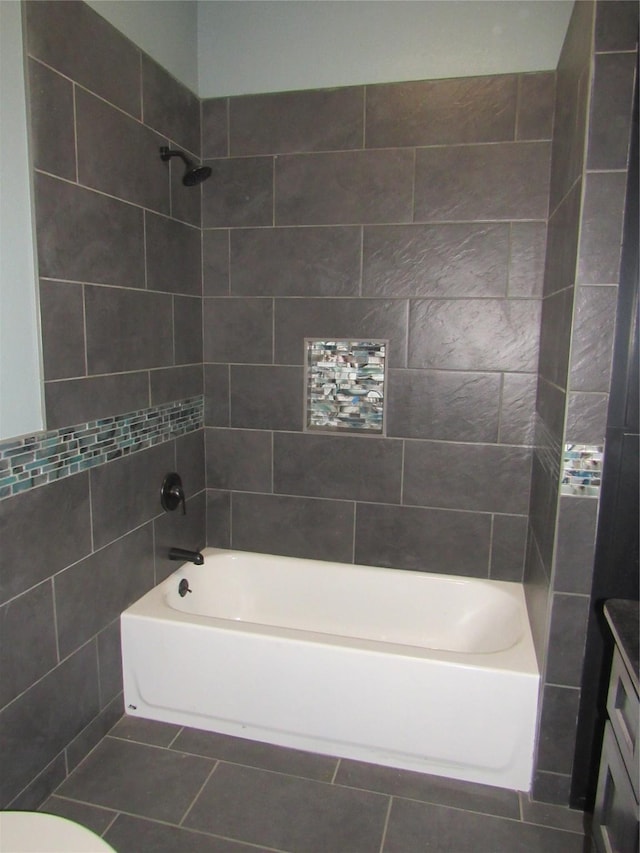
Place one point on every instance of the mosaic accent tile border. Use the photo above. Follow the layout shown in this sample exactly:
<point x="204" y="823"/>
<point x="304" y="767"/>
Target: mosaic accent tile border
<point x="345" y="382"/>
<point x="39" y="459"/>
<point x="582" y="472"/>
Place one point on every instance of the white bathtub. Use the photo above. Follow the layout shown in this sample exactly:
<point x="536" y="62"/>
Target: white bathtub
<point x="420" y="671"/>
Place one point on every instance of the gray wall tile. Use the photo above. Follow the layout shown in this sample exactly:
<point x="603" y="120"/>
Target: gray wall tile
<point x="567" y="637"/>
<point x="216" y="401"/>
<point x="190" y="462"/>
<point x="496" y="334"/>
<point x="508" y="545"/>
<point x="92" y="734"/>
<point x="592" y="338"/>
<point x="435" y="260"/>
<point x="527" y="258"/>
<point x="487" y="478"/>
<point x="344" y="188"/>
<point x="109" y="662"/>
<point x="423" y="540"/>
<point x="611" y="106"/>
<point x="601" y="228"/>
<point x="439" y="404"/>
<point x="215" y="141"/>
<point x="85" y="236"/>
<point x="562" y="243"/>
<point x="238" y="330"/>
<point x="239" y="193"/>
<point x="558" y="728"/>
<point x="175" y="530"/>
<point x="41" y="786"/>
<point x="127" y="329"/>
<point x="330" y="466"/>
<point x="218" y="519"/>
<point x="169" y="107"/>
<point x="586" y="417"/>
<point x="51" y="110"/>
<point x="187" y="330"/>
<point x="616" y="25"/>
<point x="173" y="256"/>
<point x="296" y="319"/>
<point x="185" y="201"/>
<point x="62" y="308"/>
<point x="62" y="533"/>
<point x="285" y="122"/>
<point x="114" y="517"/>
<point x="555" y="336"/>
<point x="238" y="459"/>
<point x="118" y="155"/>
<point x="267" y="397"/>
<point x="536" y="102"/>
<point x="111" y="579"/>
<point x="175" y="383"/>
<point x="294" y="526"/>
<point x="517" y="408"/>
<point x="215" y="263"/>
<point x="500" y="181"/>
<point x="54" y="32"/>
<point x="575" y="544"/>
<point x="40" y="723"/>
<point x="27" y="641"/>
<point x="441" y="112"/>
<point x="79" y="400"/>
<point x="295" y="262"/>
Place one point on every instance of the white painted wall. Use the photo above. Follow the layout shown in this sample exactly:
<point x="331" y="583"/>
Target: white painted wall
<point x="249" y="46"/>
<point x="21" y="409"/>
<point x="165" y="29"/>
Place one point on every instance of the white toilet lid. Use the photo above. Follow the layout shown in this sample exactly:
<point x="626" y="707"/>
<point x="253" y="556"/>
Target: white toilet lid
<point x="36" y="832"/>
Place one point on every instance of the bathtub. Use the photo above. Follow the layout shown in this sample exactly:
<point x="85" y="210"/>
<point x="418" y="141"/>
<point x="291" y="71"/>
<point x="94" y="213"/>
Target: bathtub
<point x="419" y="671"/>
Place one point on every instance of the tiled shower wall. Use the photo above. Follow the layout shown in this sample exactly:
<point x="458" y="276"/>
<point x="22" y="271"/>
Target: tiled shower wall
<point x="587" y="197"/>
<point x="118" y="241"/>
<point x="412" y="212"/>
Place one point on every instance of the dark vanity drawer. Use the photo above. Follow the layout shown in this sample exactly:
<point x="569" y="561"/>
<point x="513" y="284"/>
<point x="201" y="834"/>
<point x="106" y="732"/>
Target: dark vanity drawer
<point x="624" y="713"/>
<point x="615" y="817"/>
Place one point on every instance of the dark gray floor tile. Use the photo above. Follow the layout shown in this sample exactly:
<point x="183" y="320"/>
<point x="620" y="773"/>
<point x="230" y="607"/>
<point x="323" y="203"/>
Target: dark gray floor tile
<point x="78" y="749"/>
<point x="42" y="786"/>
<point x="111" y="777"/>
<point x="93" y="817"/>
<point x="429" y="789"/>
<point x="253" y="753"/>
<point x="287" y="812"/>
<point x="135" y="835"/>
<point x="151" y="732"/>
<point x="416" y="828"/>
<point x="546" y="814"/>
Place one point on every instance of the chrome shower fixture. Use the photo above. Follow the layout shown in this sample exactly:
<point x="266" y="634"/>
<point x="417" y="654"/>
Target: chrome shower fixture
<point x="193" y="175"/>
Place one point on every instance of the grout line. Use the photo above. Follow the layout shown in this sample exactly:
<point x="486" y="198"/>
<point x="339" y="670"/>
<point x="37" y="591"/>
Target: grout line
<point x="200" y="790"/>
<point x="111" y="822"/>
<point x="386" y="824"/>
<point x="177" y="735"/>
<point x="335" y="772"/>
<point x="55" y="621"/>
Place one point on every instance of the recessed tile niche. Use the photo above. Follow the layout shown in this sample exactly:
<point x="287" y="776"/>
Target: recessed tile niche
<point x="345" y="385"/>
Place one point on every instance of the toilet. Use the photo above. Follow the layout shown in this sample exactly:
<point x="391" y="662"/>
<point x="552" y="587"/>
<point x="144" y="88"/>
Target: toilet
<point x="35" y="832"/>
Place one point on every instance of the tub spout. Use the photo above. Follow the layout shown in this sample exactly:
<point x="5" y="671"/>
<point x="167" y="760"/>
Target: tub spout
<point x="183" y="556"/>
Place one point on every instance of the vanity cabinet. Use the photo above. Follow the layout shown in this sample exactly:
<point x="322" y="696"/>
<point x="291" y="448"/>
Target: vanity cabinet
<point x="616" y="812"/>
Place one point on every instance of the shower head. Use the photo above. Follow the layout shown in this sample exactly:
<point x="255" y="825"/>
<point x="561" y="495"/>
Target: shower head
<point x="193" y="175"/>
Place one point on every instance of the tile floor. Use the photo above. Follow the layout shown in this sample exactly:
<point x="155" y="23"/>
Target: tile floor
<point x="161" y="788"/>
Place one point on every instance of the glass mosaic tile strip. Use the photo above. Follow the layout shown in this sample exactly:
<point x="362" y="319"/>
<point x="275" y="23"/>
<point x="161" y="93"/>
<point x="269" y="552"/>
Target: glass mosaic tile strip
<point x="582" y="470"/>
<point x="345" y="385"/>
<point x="39" y="459"/>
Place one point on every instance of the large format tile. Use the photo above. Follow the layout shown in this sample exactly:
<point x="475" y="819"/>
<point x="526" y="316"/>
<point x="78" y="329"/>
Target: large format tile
<point x="37" y="725"/>
<point x="360" y="468"/>
<point x="110" y="663"/>
<point x="611" y="107"/>
<point x="215" y="127"/>
<point x="435" y="260"/>
<point x="239" y="193"/>
<point x="169" y="107"/>
<point x="58" y="34"/>
<point x="527" y="252"/>
<point x="503" y="181"/>
<point x="253" y="753"/>
<point x="52" y="136"/>
<point x="173" y="256"/>
<point x="416" y="827"/>
<point x="175" y="383"/>
<point x="536" y="102"/>
<point x="77" y="401"/>
<point x="127" y="330"/>
<point x="111" y="579"/>
<point x="93" y="817"/>
<point x="508" y="546"/>
<point x="496" y="334"/>
<point x="130" y="834"/>
<point x="441" y="112"/>
<point x="118" y="155"/>
<point x="344" y="188"/>
<point x="187" y="331"/>
<point x="446" y="405"/>
<point x="151" y="732"/>
<point x="363" y="319"/>
<point x="481" y="477"/>
<point x="558" y="728"/>
<point x="295" y="261"/>
<point x="238" y="330"/>
<point x="266" y="397"/>
<point x="601" y="228"/>
<point x="85" y="236"/>
<point x="567" y="639"/>
<point x="287" y="812"/>
<point x="215" y="262"/>
<point x="575" y="544"/>
<point x="136" y="480"/>
<point x="32" y="552"/>
<point x="592" y="338"/>
<point x="238" y="459"/>
<point x="294" y="526"/>
<point x="616" y="26"/>
<point x="27" y="641"/>
<point x="62" y="306"/>
<point x="423" y="540"/>
<point x="285" y="122"/>
<point x="111" y="775"/>
<point x="178" y="530"/>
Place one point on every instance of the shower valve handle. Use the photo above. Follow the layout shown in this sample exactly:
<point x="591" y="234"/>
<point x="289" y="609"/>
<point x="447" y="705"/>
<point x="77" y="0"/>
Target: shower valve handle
<point x="172" y="493"/>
